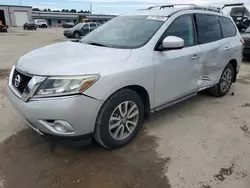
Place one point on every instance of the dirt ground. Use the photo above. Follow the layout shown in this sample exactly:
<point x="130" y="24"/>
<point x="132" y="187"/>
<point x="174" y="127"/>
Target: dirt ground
<point x="203" y="142"/>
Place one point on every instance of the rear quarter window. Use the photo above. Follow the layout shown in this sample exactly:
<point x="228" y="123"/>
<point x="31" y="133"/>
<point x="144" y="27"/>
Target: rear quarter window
<point x="208" y="27"/>
<point x="227" y="27"/>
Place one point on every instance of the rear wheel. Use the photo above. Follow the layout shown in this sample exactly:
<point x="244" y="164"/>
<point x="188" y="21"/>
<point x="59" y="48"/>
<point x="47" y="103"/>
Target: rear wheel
<point x="226" y="80"/>
<point x="119" y="119"/>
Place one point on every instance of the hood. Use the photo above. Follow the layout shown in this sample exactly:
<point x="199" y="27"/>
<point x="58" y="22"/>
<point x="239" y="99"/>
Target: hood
<point x="67" y="30"/>
<point x="245" y="36"/>
<point x="71" y="58"/>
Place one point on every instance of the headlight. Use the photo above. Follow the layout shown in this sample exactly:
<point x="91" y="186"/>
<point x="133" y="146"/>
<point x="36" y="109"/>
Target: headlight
<point x="58" y="86"/>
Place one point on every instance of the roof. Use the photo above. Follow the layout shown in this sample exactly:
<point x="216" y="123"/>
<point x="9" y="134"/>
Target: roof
<point x="68" y="15"/>
<point x="157" y="12"/>
<point x="21" y="6"/>
<point x="50" y="15"/>
<point x="170" y="11"/>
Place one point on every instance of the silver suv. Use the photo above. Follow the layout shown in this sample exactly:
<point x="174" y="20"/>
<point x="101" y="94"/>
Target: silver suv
<point x="104" y="86"/>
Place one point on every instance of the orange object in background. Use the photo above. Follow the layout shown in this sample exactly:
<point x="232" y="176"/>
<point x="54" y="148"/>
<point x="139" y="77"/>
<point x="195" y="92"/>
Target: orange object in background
<point x="1" y="23"/>
<point x="84" y="20"/>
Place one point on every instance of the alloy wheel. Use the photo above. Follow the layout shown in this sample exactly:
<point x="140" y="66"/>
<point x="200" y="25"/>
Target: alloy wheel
<point x="123" y="120"/>
<point x="226" y="80"/>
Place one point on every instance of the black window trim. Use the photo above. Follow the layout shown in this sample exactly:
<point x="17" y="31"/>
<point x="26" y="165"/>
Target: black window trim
<point x="158" y="43"/>
<point x="195" y="14"/>
<point x="235" y="30"/>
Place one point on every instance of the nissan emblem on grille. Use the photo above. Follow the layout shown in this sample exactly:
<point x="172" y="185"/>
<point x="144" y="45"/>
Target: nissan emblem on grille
<point x="17" y="80"/>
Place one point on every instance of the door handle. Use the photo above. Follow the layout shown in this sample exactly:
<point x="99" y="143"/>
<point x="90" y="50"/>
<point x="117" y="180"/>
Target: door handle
<point x="226" y="48"/>
<point x="194" y="57"/>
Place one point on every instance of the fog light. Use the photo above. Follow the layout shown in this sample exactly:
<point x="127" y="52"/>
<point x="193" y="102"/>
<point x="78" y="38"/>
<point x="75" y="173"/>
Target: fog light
<point x="63" y="126"/>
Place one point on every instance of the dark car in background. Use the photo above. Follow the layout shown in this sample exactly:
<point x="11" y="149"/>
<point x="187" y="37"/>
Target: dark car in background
<point x="68" y="25"/>
<point x="3" y="28"/>
<point x="81" y="29"/>
<point x="240" y="15"/>
<point x="246" y="36"/>
<point x="29" y="26"/>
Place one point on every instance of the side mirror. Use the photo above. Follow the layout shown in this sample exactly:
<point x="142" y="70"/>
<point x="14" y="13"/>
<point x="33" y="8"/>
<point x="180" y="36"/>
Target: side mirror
<point x="172" y="43"/>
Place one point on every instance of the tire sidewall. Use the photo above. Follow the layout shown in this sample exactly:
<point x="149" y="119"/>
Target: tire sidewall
<point x="229" y="66"/>
<point x="107" y="112"/>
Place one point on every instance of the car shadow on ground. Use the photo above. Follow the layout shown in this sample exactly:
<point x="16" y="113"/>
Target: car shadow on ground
<point x="27" y="160"/>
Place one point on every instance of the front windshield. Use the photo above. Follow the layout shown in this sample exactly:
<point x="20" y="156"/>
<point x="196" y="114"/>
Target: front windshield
<point x="78" y="26"/>
<point x="247" y="30"/>
<point x="125" y="31"/>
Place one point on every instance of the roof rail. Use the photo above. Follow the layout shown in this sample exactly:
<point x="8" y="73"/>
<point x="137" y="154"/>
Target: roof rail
<point x="208" y="9"/>
<point x="233" y="4"/>
<point x="192" y="6"/>
<point x="170" y="6"/>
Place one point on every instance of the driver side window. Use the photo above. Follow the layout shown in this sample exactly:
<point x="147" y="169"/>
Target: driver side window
<point x="182" y="27"/>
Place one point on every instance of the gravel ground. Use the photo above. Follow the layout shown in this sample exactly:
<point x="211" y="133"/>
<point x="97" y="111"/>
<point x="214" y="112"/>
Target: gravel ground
<point x="203" y="142"/>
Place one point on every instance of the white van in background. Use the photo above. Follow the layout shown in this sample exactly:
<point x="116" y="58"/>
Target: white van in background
<point x="41" y="23"/>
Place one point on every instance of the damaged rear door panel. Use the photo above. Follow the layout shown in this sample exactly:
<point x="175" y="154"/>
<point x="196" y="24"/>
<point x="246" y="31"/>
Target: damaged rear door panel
<point x="213" y="50"/>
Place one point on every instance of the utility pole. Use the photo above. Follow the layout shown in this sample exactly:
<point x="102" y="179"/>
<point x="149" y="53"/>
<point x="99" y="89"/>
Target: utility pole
<point x="20" y="2"/>
<point x="90" y="8"/>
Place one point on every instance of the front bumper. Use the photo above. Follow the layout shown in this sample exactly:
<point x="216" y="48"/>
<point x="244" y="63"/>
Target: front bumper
<point x="68" y="35"/>
<point x="79" y="111"/>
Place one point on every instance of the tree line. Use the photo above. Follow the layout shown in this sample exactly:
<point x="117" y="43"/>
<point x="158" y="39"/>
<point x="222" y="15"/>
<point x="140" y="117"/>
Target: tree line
<point x="63" y="10"/>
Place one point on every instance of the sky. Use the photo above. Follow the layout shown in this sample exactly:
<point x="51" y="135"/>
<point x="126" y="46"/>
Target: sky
<point x="111" y="6"/>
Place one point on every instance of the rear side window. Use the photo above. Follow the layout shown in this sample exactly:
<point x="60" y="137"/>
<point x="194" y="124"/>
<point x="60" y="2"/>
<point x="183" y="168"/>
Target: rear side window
<point x="208" y="27"/>
<point x="182" y="27"/>
<point x="227" y="27"/>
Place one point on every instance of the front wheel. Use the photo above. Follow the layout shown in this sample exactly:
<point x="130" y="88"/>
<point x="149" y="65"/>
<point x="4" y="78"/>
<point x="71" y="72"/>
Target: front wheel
<point x="226" y="80"/>
<point x="76" y="35"/>
<point x="119" y="119"/>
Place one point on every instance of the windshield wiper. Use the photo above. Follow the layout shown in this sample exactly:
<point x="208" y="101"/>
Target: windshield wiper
<point x="97" y="44"/>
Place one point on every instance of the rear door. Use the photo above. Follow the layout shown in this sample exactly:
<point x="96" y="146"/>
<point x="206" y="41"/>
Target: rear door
<point x="233" y="47"/>
<point x="213" y="49"/>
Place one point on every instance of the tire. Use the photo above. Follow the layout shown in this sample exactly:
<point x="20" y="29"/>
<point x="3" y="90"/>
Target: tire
<point x="103" y="134"/>
<point x="76" y="35"/>
<point x="218" y="90"/>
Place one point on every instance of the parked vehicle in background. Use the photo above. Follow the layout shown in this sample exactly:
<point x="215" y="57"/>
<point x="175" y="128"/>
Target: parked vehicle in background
<point x="81" y="29"/>
<point x="68" y="25"/>
<point x="246" y="36"/>
<point x="3" y="28"/>
<point x="29" y="26"/>
<point x="41" y="23"/>
<point x="103" y="86"/>
<point x="240" y="15"/>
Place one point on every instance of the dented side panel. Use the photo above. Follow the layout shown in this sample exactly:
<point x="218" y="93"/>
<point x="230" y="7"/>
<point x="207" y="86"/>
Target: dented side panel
<point x="214" y="58"/>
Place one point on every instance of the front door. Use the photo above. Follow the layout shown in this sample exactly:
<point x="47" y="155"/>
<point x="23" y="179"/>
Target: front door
<point x="93" y="26"/>
<point x="85" y="29"/>
<point x="177" y="71"/>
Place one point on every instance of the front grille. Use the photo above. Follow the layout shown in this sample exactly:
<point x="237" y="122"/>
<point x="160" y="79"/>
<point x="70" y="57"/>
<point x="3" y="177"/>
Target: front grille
<point x="247" y="43"/>
<point x="24" y="80"/>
